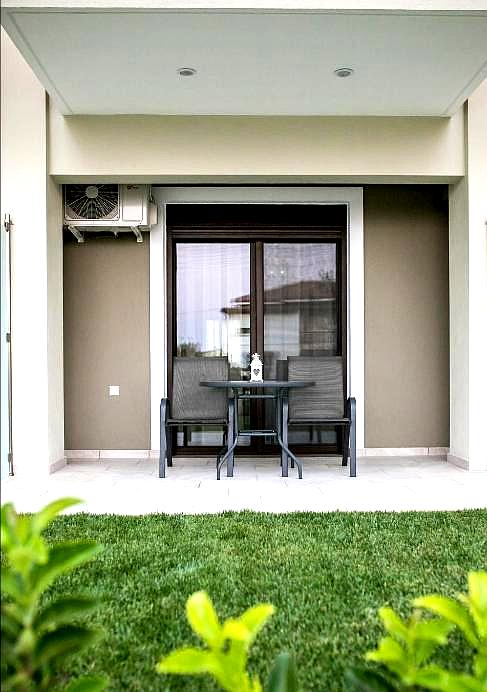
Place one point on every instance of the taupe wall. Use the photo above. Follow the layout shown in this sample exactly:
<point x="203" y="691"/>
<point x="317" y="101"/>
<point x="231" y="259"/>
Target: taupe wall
<point x="106" y="341"/>
<point x="106" y="328"/>
<point x="406" y="316"/>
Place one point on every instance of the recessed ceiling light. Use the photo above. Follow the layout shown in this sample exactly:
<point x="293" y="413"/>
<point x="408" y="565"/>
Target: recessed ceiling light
<point x="343" y="72"/>
<point x="186" y="71"/>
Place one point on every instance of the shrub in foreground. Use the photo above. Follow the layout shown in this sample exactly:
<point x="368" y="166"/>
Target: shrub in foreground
<point x="227" y="646"/>
<point x="404" y="655"/>
<point x="36" y="638"/>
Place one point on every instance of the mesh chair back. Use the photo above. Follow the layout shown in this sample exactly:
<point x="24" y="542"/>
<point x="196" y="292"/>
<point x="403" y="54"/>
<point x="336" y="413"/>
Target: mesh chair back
<point x="190" y="400"/>
<point x="325" y="399"/>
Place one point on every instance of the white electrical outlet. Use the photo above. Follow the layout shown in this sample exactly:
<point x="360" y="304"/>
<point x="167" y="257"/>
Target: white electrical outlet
<point x="113" y="390"/>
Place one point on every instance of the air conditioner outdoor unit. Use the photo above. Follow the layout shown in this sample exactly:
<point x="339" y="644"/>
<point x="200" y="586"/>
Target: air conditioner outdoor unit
<point x="94" y="207"/>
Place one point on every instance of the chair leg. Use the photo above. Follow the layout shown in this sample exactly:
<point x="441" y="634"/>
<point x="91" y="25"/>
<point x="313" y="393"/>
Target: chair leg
<point x="345" y="444"/>
<point x="286" y="442"/>
<point x="284" y="433"/>
<point x="230" y="437"/>
<point x="224" y="448"/>
<point x="353" y="437"/>
<point x="163" y="439"/>
<point x="170" y="433"/>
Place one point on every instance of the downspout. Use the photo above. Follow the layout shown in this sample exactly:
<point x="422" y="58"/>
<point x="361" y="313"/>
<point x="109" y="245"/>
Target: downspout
<point x="8" y="225"/>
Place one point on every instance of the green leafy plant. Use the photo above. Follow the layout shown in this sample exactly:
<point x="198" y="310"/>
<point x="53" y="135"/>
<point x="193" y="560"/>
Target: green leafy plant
<point x="468" y="613"/>
<point x="405" y="653"/>
<point x="283" y="676"/>
<point x="225" y="656"/>
<point x="37" y="634"/>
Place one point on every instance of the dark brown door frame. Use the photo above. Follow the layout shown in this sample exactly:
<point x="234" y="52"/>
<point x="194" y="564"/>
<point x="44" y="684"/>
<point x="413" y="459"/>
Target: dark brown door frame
<point x="256" y="237"/>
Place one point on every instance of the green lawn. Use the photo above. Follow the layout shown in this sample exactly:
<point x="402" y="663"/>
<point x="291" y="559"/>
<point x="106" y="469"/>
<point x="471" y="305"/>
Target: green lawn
<point x="327" y="574"/>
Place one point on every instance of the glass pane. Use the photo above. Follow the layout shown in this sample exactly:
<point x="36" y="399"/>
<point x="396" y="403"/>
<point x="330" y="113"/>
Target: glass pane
<point x="213" y="313"/>
<point x="300" y="311"/>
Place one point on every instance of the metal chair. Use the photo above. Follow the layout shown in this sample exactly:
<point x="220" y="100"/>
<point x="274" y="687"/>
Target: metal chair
<point x="322" y="404"/>
<point x="195" y="405"/>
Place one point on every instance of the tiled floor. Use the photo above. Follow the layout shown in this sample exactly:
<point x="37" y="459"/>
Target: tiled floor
<point x="133" y="486"/>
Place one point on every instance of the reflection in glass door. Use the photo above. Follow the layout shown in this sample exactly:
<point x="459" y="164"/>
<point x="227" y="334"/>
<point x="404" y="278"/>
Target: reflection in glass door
<point x="212" y="314"/>
<point x="300" y="312"/>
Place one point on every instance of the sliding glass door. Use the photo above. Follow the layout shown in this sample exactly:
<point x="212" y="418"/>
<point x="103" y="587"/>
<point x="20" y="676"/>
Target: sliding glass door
<point x="300" y="302"/>
<point x="233" y="296"/>
<point x="210" y="320"/>
<point x="300" y="314"/>
<point x="212" y="315"/>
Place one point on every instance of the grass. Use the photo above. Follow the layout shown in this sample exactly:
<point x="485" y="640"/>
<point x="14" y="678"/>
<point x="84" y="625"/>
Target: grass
<point x="327" y="574"/>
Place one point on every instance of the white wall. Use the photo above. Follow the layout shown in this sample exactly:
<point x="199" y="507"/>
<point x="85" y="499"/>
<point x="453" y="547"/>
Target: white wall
<point x="55" y="362"/>
<point x="477" y="250"/>
<point x="459" y="319"/>
<point x="36" y="332"/>
<point x="255" y="149"/>
<point x="468" y="293"/>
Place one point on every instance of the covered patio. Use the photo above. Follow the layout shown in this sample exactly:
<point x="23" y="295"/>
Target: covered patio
<point x="348" y="224"/>
<point x="130" y="486"/>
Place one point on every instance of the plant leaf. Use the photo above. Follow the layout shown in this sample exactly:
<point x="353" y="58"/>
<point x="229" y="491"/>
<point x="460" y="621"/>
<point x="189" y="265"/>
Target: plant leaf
<point x="283" y="675"/>
<point x="255" y="618"/>
<point x="480" y="666"/>
<point x="62" y="558"/>
<point x="427" y="636"/>
<point x="9" y="519"/>
<point x="391" y="654"/>
<point x="10" y="584"/>
<point x="50" y="512"/>
<point x="452" y="611"/>
<point x="393" y="624"/>
<point x="435" y="678"/>
<point x="10" y="626"/>
<point x="187" y="661"/>
<point x="432" y="630"/>
<point x="64" y="641"/>
<point x="63" y="610"/>
<point x="477" y="591"/>
<point x="88" y="684"/>
<point x="203" y="619"/>
<point x="361" y="680"/>
<point x="24" y="555"/>
<point x="235" y="630"/>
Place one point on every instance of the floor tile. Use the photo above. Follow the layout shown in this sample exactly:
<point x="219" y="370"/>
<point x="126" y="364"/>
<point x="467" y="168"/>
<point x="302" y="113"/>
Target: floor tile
<point x="122" y="486"/>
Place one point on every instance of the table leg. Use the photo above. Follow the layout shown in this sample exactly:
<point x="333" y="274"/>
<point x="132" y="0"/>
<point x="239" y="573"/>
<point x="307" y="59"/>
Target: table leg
<point x="230" y="436"/>
<point x="279" y="421"/>
<point x="281" y="434"/>
<point x="283" y="442"/>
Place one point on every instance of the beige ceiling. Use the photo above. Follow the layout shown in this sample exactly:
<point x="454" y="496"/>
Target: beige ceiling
<point x="95" y="59"/>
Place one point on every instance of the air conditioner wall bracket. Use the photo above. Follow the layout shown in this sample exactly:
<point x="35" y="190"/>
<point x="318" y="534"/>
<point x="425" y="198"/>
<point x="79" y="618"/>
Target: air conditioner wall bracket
<point x="138" y="234"/>
<point x="77" y="234"/>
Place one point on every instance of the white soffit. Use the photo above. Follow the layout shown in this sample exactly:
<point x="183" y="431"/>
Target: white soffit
<point x="268" y="58"/>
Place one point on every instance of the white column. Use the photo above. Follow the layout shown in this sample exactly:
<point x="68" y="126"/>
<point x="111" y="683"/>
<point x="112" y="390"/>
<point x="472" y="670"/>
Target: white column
<point x="35" y="209"/>
<point x="468" y="294"/>
<point x="477" y="261"/>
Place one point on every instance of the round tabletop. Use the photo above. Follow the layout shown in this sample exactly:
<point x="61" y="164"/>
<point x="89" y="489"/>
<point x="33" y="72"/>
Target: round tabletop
<point x="247" y="384"/>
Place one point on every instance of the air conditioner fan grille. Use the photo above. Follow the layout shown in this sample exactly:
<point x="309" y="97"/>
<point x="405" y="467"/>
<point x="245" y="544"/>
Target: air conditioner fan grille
<point x="94" y="202"/>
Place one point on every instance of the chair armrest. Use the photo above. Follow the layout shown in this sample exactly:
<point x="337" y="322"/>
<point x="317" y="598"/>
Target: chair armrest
<point x="164" y="409"/>
<point x="351" y="407"/>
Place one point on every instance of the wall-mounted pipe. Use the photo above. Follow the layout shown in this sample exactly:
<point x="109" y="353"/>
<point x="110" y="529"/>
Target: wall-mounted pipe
<point x="8" y="225"/>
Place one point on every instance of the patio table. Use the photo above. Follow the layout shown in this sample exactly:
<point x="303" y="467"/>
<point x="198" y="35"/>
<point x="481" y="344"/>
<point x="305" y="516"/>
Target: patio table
<point x="276" y="390"/>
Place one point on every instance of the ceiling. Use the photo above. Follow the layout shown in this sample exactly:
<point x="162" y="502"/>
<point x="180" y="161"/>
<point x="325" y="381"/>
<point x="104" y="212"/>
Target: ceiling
<point x="126" y="60"/>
